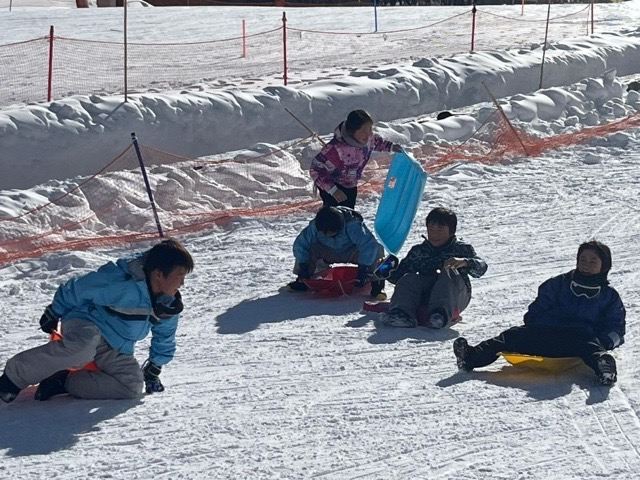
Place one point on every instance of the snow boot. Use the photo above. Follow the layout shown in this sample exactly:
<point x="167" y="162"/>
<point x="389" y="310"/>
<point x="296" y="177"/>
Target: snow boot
<point x="8" y="389"/>
<point x="460" y="350"/>
<point x="606" y="370"/>
<point x="377" y="290"/>
<point x="398" y="318"/>
<point x="51" y="386"/>
<point x="298" y="286"/>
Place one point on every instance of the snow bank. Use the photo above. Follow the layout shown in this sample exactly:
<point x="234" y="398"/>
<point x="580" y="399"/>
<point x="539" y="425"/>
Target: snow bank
<point x="78" y="135"/>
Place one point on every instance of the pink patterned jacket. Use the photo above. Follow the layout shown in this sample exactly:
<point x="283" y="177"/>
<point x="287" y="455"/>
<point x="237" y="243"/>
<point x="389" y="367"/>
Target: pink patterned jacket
<point x="343" y="159"/>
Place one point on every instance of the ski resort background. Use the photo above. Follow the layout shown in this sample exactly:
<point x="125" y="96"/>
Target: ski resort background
<point x="277" y="51"/>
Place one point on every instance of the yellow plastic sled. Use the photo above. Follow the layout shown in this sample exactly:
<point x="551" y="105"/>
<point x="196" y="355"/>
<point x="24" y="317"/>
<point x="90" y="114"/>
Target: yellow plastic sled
<point x="536" y="362"/>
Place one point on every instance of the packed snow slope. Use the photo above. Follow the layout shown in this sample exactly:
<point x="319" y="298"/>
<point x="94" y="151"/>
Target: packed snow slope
<point x="269" y="384"/>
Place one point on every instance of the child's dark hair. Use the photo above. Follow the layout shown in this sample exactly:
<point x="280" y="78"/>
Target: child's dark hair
<point x="443" y="216"/>
<point x="357" y="119"/>
<point x="166" y="256"/>
<point x="329" y="219"/>
<point x="601" y="250"/>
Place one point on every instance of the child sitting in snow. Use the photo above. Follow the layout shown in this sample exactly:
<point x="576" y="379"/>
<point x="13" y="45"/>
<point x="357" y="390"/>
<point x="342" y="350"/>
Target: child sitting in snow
<point x="576" y="314"/>
<point x="432" y="281"/>
<point x="103" y="314"/>
<point x="337" y="235"/>
<point x="338" y="167"/>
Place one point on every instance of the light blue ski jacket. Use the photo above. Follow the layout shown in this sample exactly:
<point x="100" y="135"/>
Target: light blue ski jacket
<point x="354" y="234"/>
<point x="117" y="299"/>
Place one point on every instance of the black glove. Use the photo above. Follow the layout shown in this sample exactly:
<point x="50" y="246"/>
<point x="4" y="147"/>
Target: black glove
<point x="396" y="148"/>
<point x="49" y="320"/>
<point x="151" y="373"/>
<point x="363" y="275"/>
<point x="304" y="271"/>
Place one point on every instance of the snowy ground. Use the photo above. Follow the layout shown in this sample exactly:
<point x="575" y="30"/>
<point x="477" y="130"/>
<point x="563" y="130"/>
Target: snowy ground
<point x="270" y="384"/>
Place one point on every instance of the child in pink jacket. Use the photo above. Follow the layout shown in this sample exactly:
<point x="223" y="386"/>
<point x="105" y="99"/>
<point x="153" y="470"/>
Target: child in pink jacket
<point x="338" y="167"/>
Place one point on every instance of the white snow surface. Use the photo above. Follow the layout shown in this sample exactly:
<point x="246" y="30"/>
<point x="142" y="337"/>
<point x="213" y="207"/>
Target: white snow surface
<point x="272" y="384"/>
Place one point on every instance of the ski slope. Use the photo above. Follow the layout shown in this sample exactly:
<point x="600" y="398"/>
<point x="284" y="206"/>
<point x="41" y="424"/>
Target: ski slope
<point x="271" y="384"/>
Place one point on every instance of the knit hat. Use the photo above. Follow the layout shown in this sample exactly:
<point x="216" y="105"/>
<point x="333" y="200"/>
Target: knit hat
<point x="601" y="250"/>
<point x="329" y="219"/>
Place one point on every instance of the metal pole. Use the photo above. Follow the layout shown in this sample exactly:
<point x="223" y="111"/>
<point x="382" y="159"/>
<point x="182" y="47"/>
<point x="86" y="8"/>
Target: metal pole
<point x="10" y="4"/>
<point x="522" y="12"/>
<point x="284" y="46"/>
<point x="473" y="26"/>
<point x="244" y="39"/>
<point x="126" y="81"/>
<point x="544" y="47"/>
<point x="592" y="7"/>
<point x="146" y="183"/>
<point x="504" y="116"/>
<point x="307" y="128"/>
<point x="375" y="16"/>
<point x="50" y="76"/>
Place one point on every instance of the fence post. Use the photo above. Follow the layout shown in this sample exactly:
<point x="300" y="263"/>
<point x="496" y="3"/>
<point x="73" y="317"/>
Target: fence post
<point x="125" y="53"/>
<point x="375" y="16"/>
<point x="592" y="7"/>
<point x="544" y="47"/>
<point x="522" y="12"/>
<point x="146" y="183"/>
<point x="244" y="39"/>
<point x="473" y="26"/>
<point x="50" y="75"/>
<point x="284" y="45"/>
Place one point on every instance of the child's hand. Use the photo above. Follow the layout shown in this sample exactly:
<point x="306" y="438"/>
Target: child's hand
<point x="339" y="195"/>
<point x="454" y="263"/>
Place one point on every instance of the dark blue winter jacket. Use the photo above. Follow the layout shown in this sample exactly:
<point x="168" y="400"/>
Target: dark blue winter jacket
<point x="557" y="304"/>
<point x="425" y="259"/>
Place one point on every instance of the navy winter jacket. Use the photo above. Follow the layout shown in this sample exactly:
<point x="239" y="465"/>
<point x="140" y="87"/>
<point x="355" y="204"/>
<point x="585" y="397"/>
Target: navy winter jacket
<point x="603" y="315"/>
<point x="425" y="259"/>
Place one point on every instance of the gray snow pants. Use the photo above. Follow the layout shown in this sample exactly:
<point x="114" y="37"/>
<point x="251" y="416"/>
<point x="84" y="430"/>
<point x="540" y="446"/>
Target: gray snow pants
<point x="119" y="375"/>
<point x="415" y="293"/>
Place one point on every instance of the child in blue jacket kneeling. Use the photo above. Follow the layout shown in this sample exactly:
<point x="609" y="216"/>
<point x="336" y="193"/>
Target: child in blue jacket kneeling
<point x="103" y="314"/>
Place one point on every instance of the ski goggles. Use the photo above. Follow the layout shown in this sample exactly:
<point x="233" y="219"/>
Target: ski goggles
<point x="586" y="291"/>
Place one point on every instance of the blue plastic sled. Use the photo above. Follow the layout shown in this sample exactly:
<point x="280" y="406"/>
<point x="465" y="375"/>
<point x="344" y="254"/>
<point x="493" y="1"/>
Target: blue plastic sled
<point x="400" y="200"/>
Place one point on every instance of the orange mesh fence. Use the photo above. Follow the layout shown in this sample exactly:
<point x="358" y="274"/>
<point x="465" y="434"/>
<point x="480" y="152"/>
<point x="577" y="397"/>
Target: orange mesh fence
<point x="495" y="31"/>
<point x="112" y="207"/>
<point x="24" y="71"/>
<point x="359" y="49"/>
<point x="85" y="67"/>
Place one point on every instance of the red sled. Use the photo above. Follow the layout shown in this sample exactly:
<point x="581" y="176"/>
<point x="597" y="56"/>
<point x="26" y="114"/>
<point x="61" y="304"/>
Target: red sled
<point x="334" y="281"/>
<point x="376" y="307"/>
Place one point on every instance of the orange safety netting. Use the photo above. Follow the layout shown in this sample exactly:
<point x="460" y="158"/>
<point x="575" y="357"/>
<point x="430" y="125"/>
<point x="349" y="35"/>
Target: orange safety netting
<point x="111" y="207"/>
<point x="258" y="57"/>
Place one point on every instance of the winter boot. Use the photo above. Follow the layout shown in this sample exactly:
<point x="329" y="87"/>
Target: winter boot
<point x="398" y="318"/>
<point x="460" y="350"/>
<point x="298" y="286"/>
<point x="51" y="386"/>
<point x="377" y="290"/>
<point x="8" y="389"/>
<point x="606" y="370"/>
